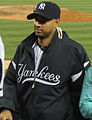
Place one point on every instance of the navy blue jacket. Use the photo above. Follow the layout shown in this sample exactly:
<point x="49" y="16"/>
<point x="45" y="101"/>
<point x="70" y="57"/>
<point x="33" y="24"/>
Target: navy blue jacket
<point x="57" y="83"/>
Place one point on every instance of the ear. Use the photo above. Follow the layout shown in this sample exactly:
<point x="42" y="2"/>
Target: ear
<point x="57" y="21"/>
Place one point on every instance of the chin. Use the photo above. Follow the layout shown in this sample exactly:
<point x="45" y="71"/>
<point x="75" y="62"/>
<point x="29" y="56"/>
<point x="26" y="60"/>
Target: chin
<point x="39" y="35"/>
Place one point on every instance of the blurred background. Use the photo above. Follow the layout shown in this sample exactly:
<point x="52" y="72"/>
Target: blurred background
<point x="14" y="27"/>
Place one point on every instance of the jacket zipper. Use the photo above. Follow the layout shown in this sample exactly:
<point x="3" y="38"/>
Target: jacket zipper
<point x="36" y="68"/>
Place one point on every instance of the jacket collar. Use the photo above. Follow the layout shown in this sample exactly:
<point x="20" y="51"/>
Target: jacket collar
<point x="31" y="39"/>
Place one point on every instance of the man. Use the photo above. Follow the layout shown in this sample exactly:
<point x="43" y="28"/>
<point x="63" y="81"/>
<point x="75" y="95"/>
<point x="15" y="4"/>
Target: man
<point x="1" y="66"/>
<point x="43" y="81"/>
<point x="86" y="95"/>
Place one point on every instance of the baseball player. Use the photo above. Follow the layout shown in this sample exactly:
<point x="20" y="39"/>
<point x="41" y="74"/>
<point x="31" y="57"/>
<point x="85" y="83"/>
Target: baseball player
<point x="44" y="79"/>
<point x="86" y="95"/>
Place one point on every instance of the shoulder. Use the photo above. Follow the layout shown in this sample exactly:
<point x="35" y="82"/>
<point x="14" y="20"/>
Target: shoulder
<point x="77" y="49"/>
<point x="73" y="44"/>
<point x="1" y="42"/>
<point x="90" y="69"/>
<point x="29" y="40"/>
<point x="2" y="51"/>
<point x="89" y="72"/>
<point x="88" y="77"/>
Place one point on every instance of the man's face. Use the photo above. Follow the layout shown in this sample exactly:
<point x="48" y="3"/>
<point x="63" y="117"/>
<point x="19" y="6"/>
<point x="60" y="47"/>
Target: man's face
<point x="43" y="27"/>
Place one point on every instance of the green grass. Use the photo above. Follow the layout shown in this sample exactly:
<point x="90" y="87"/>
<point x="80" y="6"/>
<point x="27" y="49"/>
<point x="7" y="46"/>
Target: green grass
<point x="81" y="5"/>
<point x="13" y="32"/>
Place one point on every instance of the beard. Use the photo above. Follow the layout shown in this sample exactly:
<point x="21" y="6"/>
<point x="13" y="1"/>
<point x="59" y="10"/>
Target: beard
<point x="42" y="35"/>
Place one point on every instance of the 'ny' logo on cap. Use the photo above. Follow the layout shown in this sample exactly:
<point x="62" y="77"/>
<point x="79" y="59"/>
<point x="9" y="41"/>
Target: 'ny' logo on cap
<point x="42" y="6"/>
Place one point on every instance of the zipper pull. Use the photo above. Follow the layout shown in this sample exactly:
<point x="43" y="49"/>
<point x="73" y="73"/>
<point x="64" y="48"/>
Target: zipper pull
<point x="33" y="85"/>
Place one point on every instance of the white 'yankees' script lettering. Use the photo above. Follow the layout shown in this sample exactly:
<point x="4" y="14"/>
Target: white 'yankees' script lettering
<point x="24" y="73"/>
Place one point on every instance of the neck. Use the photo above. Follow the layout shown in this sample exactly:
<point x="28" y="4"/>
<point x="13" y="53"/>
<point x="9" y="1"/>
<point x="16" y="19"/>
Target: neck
<point x="45" y="41"/>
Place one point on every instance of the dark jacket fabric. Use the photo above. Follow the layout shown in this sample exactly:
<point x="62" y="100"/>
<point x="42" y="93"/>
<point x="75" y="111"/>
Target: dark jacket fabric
<point x="58" y="80"/>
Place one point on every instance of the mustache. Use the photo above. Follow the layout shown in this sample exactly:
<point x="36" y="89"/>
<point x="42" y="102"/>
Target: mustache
<point x="37" y="28"/>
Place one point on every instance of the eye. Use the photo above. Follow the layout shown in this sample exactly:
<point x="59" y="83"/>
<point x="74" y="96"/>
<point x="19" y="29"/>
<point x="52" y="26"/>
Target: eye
<point x="40" y="21"/>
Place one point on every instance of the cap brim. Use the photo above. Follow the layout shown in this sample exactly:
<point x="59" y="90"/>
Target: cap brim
<point x="30" y="16"/>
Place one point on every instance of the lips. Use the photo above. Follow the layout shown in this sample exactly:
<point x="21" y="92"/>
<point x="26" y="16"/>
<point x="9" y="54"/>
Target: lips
<point x="38" y="30"/>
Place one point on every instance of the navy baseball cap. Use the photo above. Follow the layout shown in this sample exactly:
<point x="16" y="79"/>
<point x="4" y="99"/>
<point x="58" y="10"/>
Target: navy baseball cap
<point x="46" y="9"/>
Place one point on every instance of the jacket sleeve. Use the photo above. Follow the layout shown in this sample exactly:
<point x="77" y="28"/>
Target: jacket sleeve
<point x="0" y="70"/>
<point x="86" y="95"/>
<point x="9" y="99"/>
<point x="81" y="64"/>
<point x="1" y="66"/>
